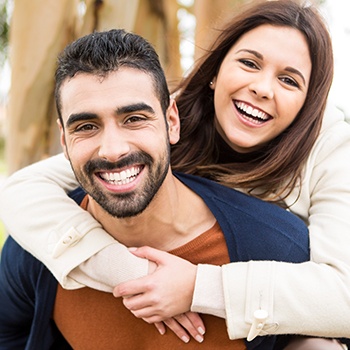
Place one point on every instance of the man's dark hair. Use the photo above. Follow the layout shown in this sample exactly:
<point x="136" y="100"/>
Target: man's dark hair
<point x="101" y="53"/>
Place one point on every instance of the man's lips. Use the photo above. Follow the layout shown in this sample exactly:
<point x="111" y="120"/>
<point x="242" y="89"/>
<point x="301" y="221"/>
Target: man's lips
<point x="122" y="177"/>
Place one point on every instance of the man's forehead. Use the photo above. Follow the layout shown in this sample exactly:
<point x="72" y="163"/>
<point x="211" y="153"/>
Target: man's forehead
<point x="118" y="88"/>
<point x="116" y="77"/>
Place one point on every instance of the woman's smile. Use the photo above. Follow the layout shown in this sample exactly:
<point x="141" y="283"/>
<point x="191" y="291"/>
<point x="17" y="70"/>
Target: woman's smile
<point x="261" y="86"/>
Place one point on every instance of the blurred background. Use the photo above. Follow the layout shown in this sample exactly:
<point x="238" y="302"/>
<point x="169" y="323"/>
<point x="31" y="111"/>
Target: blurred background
<point x="32" y="33"/>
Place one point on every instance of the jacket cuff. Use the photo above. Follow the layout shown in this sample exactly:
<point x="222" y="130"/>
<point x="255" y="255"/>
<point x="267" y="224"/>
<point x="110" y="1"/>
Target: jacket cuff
<point x="248" y="293"/>
<point x="208" y="296"/>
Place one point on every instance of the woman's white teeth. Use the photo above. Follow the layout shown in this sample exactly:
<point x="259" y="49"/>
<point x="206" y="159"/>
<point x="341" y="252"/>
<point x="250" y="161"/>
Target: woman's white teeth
<point x="251" y="111"/>
<point x="121" y="178"/>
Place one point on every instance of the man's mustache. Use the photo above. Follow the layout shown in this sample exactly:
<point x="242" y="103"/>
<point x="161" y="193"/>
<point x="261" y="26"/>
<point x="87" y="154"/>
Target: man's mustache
<point x="94" y="165"/>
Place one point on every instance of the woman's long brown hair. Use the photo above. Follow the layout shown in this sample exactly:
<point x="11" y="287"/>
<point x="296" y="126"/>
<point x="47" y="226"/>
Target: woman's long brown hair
<point x="275" y="170"/>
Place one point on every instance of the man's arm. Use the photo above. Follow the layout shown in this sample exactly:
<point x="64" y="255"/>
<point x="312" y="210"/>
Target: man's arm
<point x="17" y="297"/>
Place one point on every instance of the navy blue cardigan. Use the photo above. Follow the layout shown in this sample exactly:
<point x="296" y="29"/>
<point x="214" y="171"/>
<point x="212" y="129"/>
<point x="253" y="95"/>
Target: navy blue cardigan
<point x="253" y="229"/>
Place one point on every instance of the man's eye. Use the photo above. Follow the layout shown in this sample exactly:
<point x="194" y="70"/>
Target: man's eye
<point x="85" y="127"/>
<point x="134" y="119"/>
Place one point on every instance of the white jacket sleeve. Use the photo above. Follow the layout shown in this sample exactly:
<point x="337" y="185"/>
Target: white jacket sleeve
<point x="311" y="298"/>
<point x="37" y="212"/>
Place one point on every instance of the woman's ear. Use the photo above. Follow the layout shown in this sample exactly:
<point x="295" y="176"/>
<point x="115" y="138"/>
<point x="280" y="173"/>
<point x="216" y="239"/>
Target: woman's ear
<point x="173" y="121"/>
<point x="212" y="83"/>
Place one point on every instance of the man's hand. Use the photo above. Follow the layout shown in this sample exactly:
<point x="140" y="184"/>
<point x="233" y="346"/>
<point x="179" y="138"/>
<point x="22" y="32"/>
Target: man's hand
<point x="165" y="295"/>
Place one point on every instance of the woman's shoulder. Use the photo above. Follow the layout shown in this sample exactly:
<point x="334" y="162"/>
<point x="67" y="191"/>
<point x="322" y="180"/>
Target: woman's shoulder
<point x="334" y="136"/>
<point x="328" y="160"/>
<point x="334" y="124"/>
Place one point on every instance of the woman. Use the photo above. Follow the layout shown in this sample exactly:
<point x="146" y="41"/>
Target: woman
<point x="294" y="165"/>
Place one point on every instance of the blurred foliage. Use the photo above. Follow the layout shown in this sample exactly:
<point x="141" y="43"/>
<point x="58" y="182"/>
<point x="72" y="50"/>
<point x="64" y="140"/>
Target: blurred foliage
<point x="4" y="30"/>
<point x="2" y="156"/>
<point x="2" y="235"/>
<point x="2" y="171"/>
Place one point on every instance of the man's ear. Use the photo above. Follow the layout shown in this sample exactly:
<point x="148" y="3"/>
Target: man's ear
<point x="173" y="121"/>
<point x="62" y="138"/>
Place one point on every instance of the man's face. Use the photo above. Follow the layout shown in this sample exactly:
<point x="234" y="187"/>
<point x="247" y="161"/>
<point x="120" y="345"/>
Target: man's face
<point x="116" y="138"/>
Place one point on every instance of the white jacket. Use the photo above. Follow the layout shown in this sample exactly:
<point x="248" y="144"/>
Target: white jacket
<point x="312" y="298"/>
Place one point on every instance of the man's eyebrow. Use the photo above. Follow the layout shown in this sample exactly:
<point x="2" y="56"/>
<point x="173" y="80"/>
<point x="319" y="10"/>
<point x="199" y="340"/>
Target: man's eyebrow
<point x="136" y="107"/>
<point x="77" y="117"/>
<point x="131" y="108"/>
<point x="261" y="57"/>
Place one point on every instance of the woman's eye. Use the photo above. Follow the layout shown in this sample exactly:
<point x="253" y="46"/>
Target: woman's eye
<point x="289" y="81"/>
<point x="248" y="63"/>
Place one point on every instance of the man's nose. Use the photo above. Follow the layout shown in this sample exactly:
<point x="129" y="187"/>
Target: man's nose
<point x="113" y="144"/>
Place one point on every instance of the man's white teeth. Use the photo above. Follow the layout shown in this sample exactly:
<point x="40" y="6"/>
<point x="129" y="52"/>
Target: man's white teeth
<point x="121" y="178"/>
<point x="252" y="111"/>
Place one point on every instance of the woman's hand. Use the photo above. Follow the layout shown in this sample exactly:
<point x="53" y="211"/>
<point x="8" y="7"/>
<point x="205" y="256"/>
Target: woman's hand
<point x="165" y="295"/>
<point x="190" y="322"/>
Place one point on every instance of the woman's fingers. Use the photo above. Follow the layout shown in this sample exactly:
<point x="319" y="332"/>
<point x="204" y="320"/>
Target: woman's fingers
<point x="183" y="324"/>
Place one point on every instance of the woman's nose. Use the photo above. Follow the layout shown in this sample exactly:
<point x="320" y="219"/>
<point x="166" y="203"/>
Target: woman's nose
<point x="262" y="86"/>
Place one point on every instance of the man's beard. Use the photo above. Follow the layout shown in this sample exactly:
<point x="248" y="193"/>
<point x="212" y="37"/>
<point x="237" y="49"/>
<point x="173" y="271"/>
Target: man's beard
<point x="124" y="205"/>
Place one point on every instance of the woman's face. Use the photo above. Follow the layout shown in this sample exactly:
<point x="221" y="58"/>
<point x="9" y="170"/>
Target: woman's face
<point x="261" y="86"/>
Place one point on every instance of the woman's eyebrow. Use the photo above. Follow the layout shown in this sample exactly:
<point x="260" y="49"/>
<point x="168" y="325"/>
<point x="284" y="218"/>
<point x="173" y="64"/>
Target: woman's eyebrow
<point x="296" y="71"/>
<point x="261" y="57"/>
<point x="253" y="52"/>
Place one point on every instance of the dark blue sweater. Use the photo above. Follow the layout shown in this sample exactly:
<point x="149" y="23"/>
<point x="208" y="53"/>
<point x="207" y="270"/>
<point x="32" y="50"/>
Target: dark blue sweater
<point x="253" y="229"/>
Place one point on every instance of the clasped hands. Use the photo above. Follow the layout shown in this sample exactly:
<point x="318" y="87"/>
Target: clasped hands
<point x="164" y="296"/>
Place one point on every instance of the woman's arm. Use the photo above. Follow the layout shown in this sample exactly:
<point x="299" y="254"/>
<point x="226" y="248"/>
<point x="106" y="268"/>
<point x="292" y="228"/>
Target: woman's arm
<point x="308" y="298"/>
<point x="37" y="212"/>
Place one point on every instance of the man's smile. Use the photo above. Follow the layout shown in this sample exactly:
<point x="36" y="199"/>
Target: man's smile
<point x="121" y="177"/>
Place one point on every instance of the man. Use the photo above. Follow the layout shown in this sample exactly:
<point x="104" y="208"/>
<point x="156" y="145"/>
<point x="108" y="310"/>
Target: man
<point x="117" y="124"/>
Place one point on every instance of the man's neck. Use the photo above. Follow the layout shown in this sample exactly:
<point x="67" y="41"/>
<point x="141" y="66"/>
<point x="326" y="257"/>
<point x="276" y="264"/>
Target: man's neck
<point x="167" y="223"/>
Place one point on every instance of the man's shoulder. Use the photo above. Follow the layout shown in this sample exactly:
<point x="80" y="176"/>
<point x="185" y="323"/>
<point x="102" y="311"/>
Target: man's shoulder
<point x="23" y="276"/>
<point x="77" y="195"/>
<point x="19" y="274"/>
<point x="27" y="294"/>
<point x="199" y="184"/>
<point x="18" y="263"/>
<point x="233" y="205"/>
<point x="226" y="196"/>
<point x="251" y="226"/>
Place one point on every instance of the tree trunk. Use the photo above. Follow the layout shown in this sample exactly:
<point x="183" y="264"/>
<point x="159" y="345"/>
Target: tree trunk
<point x="38" y="32"/>
<point x="40" y="29"/>
<point x="210" y="16"/>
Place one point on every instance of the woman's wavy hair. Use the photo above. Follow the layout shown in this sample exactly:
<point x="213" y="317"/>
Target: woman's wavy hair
<point x="275" y="170"/>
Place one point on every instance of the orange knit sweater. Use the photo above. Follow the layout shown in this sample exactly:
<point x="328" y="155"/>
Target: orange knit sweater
<point x="90" y="319"/>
